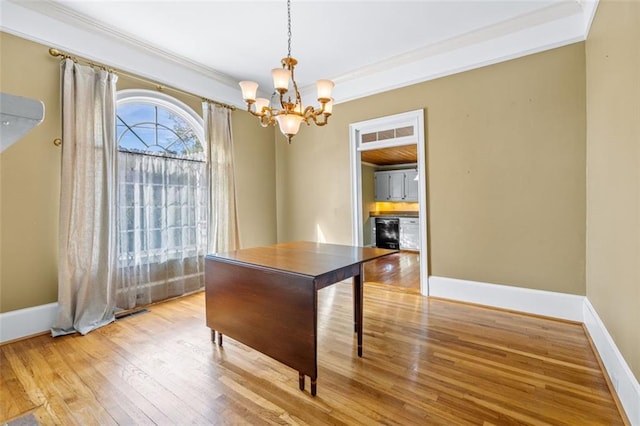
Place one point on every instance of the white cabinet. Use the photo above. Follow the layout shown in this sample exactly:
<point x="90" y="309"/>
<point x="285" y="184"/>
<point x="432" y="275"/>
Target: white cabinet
<point x="396" y="185"/>
<point x="409" y="234"/>
<point x="382" y="184"/>
<point x="411" y="185"/>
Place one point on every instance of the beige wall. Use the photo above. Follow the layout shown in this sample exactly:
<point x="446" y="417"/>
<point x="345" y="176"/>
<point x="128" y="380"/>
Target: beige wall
<point x="30" y="181"/>
<point x="506" y="171"/>
<point x="30" y="178"/>
<point x="254" y="156"/>
<point x="613" y="173"/>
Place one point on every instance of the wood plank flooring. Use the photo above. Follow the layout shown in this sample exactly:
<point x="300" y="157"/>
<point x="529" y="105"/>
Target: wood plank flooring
<point x="426" y="362"/>
<point x="400" y="271"/>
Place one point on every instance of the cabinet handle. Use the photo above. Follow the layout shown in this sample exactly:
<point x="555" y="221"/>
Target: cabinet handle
<point x="389" y="186"/>
<point x="404" y="186"/>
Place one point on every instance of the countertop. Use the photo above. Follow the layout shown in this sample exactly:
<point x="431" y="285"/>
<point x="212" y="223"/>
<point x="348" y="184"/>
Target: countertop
<point x="394" y="214"/>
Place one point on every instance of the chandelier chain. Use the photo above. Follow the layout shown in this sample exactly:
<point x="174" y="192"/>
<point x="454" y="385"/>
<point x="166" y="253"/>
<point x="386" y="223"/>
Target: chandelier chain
<point x="289" y="27"/>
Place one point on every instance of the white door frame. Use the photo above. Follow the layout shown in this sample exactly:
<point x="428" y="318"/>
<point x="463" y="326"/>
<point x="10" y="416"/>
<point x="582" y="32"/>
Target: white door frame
<point x="411" y="118"/>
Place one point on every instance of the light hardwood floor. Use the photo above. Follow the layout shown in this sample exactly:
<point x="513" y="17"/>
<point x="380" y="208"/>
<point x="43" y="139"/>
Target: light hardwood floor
<point x="426" y="362"/>
<point x="400" y="271"/>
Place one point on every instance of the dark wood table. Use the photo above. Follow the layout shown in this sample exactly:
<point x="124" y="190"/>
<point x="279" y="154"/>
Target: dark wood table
<point x="266" y="297"/>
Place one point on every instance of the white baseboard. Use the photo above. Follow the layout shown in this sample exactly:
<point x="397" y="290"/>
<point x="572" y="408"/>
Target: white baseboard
<point x="27" y="322"/>
<point x="557" y="305"/>
<point x="539" y="302"/>
<point x="620" y="374"/>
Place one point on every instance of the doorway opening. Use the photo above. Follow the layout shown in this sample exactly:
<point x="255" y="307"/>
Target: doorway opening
<point x="388" y="175"/>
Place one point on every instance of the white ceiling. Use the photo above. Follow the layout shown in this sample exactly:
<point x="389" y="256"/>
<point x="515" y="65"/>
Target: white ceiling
<point x="364" y="46"/>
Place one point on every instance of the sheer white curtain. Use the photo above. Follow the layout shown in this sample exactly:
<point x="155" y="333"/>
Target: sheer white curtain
<point x="86" y="242"/>
<point x="223" y="221"/>
<point x="162" y="214"/>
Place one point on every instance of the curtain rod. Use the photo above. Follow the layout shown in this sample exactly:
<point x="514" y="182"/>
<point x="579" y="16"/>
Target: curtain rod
<point x="160" y="87"/>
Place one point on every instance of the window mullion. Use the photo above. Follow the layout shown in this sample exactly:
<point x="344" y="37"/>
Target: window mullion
<point x="155" y="122"/>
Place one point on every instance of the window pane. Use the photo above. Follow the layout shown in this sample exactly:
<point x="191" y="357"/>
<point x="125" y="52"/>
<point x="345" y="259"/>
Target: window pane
<point x="156" y="130"/>
<point x="135" y="113"/>
<point x="130" y="141"/>
<point x="166" y="117"/>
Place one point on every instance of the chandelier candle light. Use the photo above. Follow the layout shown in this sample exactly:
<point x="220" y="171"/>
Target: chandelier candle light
<point x="291" y="112"/>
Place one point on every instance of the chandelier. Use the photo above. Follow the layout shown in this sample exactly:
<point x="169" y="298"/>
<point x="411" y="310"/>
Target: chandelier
<point x="291" y="112"/>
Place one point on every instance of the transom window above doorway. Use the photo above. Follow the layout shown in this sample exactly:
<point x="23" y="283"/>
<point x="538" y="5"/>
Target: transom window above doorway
<point x="384" y="132"/>
<point x="381" y="135"/>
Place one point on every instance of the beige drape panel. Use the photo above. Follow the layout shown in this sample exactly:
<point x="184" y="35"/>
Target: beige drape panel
<point x="86" y="243"/>
<point x="223" y="222"/>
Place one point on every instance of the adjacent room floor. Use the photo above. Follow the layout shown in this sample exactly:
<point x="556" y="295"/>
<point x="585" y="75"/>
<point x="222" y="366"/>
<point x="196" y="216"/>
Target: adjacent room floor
<point x="400" y="271"/>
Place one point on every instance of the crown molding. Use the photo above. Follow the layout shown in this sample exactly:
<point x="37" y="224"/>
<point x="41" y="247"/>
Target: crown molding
<point x="465" y="41"/>
<point x="48" y="22"/>
<point x="69" y="16"/>
<point x="589" y="8"/>
<point x="554" y="26"/>
<point x="54" y="25"/>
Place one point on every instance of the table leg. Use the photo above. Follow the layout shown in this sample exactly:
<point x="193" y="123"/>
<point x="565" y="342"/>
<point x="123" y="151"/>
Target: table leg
<point x="359" y="298"/>
<point x="213" y="335"/>
<point x="219" y="339"/>
<point x="313" y="386"/>
<point x="301" y="381"/>
<point x="355" y="306"/>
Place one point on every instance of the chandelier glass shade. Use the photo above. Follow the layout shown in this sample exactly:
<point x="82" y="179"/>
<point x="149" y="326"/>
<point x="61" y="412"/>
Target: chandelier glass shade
<point x="291" y="113"/>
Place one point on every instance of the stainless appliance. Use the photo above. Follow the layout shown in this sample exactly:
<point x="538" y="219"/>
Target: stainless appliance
<point x="388" y="232"/>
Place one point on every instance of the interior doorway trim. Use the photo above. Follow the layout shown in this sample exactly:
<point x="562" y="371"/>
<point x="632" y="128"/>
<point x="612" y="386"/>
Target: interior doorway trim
<point x="356" y="146"/>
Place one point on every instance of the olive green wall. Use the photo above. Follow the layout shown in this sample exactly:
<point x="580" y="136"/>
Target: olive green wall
<point x="30" y="181"/>
<point x="30" y="178"/>
<point x="613" y="173"/>
<point x="255" y="163"/>
<point x="505" y="171"/>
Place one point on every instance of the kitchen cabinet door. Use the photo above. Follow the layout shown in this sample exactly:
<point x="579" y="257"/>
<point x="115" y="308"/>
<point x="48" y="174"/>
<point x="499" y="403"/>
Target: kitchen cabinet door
<point x="382" y="186"/>
<point x="411" y="186"/>
<point x="409" y="234"/>
<point x="397" y="185"/>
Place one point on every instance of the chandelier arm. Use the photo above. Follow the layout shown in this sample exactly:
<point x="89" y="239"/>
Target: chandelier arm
<point x="316" y="112"/>
<point x="266" y="117"/>
<point x="309" y="112"/>
<point x="249" y="110"/>
<point x="270" y="117"/>
<point x="255" y="114"/>
<point x="282" y="101"/>
<point x="320" y="123"/>
<point x="295" y="88"/>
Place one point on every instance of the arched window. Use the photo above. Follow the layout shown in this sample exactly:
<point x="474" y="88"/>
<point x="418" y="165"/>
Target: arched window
<point x="162" y="197"/>
<point x="154" y="123"/>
